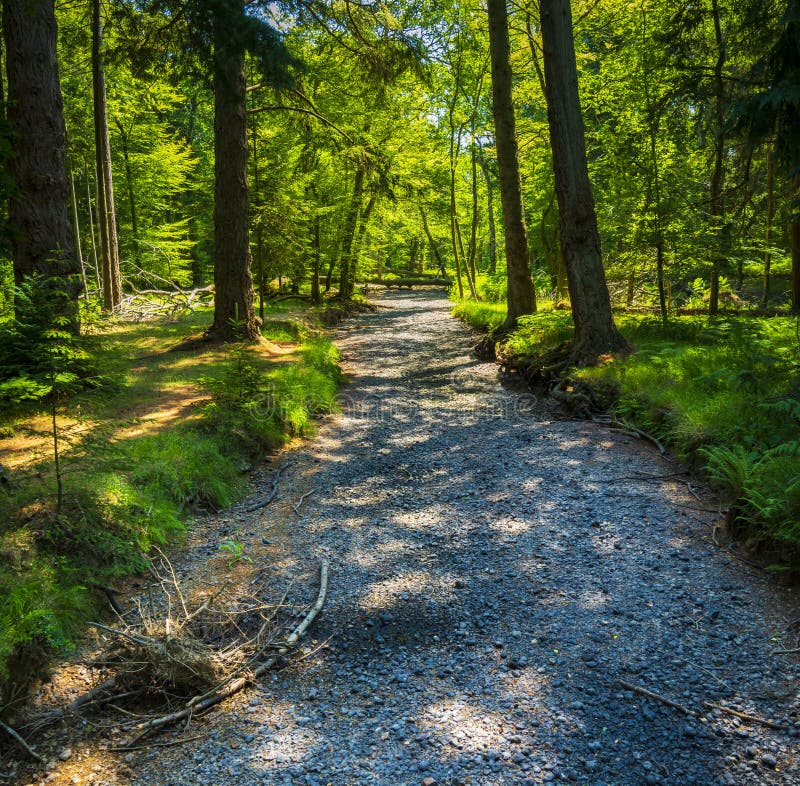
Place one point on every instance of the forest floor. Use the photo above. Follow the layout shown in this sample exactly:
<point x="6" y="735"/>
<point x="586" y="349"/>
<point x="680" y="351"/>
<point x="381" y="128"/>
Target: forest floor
<point x="495" y="570"/>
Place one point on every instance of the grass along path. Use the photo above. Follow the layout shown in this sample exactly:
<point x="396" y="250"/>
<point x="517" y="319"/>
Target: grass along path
<point x="174" y="430"/>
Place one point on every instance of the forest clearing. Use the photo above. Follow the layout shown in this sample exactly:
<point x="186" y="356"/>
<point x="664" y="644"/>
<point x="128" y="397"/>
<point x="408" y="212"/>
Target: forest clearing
<point x="399" y="393"/>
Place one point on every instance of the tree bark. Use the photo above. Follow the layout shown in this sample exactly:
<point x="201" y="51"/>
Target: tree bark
<point x="473" y="235"/>
<point x="76" y="234"/>
<point x="91" y="228"/>
<point x="490" y="215"/>
<point x="349" y="236"/>
<point x="770" y="217"/>
<point x="42" y="235"/>
<point x="794" y="232"/>
<point x="716" y="195"/>
<point x="128" y="178"/>
<point x="106" y="214"/>
<point x="595" y="332"/>
<point x="234" y="315"/>
<point x="434" y="249"/>
<point x="521" y="295"/>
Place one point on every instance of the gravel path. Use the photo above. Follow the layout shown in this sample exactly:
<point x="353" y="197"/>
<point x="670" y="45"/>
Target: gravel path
<point x="494" y="571"/>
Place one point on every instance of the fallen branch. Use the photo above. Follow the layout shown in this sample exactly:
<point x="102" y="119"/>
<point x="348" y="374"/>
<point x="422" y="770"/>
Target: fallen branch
<point x="657" y="697"/>
<point x="300" y="501"/>
<point x="792" y="651"/>
<point x="630" y="430"/>
<point x="744" y="716"/>
<point x="195" y="707"/>
<point x="163" y="744"/>
<point x="264" y="502"/>
<point x="22" y="742"/>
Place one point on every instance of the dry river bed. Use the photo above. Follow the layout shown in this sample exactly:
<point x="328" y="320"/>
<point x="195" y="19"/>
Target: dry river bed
<point x="495" y="571"/>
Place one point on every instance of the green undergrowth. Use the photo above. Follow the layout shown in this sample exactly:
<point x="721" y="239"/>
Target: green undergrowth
<point x="723" y="394"/>
<point x="175" y="427"/>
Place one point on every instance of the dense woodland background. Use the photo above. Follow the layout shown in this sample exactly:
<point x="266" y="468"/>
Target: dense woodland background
<point x="216" y="164"/>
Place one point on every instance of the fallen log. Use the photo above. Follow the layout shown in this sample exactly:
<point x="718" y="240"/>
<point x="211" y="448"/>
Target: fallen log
<point x="410" y="282"/>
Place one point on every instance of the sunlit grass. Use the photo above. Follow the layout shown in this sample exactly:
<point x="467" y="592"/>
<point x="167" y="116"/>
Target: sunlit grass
<point x="176" y="426"/>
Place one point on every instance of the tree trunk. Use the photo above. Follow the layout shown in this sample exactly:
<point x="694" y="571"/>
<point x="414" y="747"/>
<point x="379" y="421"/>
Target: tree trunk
<point x="128" y="179"/>
<point x="794" y="232"/>
<point x="716" y="195"/>
<point x="595" y="332"/>
<point x="434" y="249"/>
<point x="42" y="236"/>
<point x="259" y="227"/>
<point x="770" y="217"/>
<point x="473" y="235"/>
<point x="106" y="214"/>
<point x="359" y="239"/>
<point x="349" y="236"/>
<point x="76" y="234"/>
<point x="316" y="259"/>
<point x="91" y="229"/>
<point x="234" y="315"/>
<point x="490" y="215"/>
<point x="454" y="218"/>
<point x="521" y="295"/>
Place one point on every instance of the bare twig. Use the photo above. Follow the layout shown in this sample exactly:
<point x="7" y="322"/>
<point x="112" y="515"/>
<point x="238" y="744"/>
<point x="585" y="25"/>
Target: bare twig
<point x="792" y="651"/>
<point x="300" y="501"/>
<point x="657" y="697"/>
<point x="31" y="752"/>
<point x="744" y="716"/>
<point x="264" y="502"/>
<point x="163" y="744"/>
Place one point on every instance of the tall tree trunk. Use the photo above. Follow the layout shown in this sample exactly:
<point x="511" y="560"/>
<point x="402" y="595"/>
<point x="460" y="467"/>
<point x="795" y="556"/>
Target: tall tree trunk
<point x="595" y="332"/>
<point x="316" y="259"/>
<point x="358" y="240"/>
<point x="794" y="232"/>
<point x="91" y="229"/>
<point x="487" y="175"/>
<point x="521" y="295"/>
<point x="259" y="227"/>
<point x="128" y="178"/>
<point x="106" y="214"/>
<point x="434" y="249"/>
<point x="454" y="218"/>
<point x="234" y="315"/>
<point x="770" y="218"/>
<point x="716" y="194"/>
<point x="42" y="236"/>
<point x="473" y="235"/>
<point x="76" y="234"/>
<point x="349" y="236"/>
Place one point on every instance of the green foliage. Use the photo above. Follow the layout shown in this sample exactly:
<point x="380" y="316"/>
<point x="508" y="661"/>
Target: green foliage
<point x="480" y="315"/>
<point x="492" y="289"/>
<point x="128" y="489"/>
<point x="262" y="407"/>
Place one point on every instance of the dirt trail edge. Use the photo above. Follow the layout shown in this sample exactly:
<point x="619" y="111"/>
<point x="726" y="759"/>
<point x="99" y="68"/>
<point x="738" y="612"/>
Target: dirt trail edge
<point x="494" y="573"/>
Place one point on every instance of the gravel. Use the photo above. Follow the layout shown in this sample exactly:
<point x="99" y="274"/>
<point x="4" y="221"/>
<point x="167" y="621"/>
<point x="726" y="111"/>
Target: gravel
<point x="494" y="570"/>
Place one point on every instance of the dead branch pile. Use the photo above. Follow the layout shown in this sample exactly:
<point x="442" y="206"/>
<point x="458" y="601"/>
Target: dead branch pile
<point x="197" y="651"/>
<point x="147" y="304"/>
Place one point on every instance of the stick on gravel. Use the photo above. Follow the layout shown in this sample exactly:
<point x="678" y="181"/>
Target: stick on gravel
<point x="262" y="503"/>
<point x="657" y="697"/>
